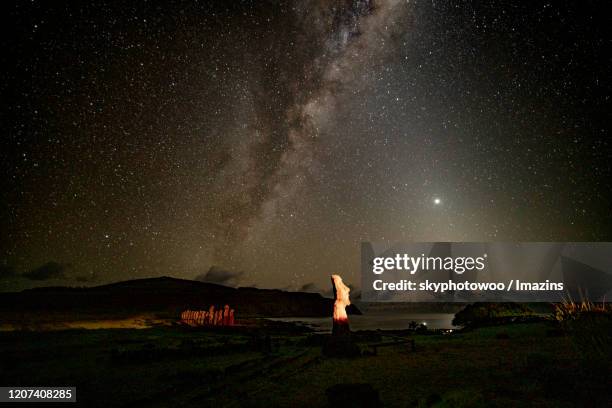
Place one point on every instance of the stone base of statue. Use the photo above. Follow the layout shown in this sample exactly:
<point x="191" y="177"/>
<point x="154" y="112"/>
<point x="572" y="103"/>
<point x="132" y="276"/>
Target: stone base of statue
<point x="340" y="346"/>
<point x="340" y="328"/>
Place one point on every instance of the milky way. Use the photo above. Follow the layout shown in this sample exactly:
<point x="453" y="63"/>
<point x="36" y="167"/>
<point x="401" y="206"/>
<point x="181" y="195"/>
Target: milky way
<point x="270" y="139"/>
<point x="279" y="157"/>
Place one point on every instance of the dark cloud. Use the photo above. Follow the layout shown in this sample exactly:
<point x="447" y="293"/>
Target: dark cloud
<point x="310" y="287"/>
<point x="220" y="276"/>
<point x="50" y="270"/>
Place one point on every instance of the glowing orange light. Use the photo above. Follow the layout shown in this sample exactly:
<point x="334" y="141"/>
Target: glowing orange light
<point x="341" y="295"/>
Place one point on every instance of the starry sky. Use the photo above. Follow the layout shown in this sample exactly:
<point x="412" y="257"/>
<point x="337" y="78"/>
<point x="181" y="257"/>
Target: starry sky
<point x="270" y="138"/>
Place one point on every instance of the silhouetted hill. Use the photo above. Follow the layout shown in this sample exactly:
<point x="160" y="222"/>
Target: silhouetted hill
<point x="167" y="294"/>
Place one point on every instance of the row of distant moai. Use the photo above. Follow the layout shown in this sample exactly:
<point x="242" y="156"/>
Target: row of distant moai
<point x="210" y="317"/>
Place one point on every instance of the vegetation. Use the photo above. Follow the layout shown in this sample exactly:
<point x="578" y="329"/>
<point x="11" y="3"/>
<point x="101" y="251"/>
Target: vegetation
<point x="173" y="366"/>
<point x="482" y="314"/>
<point x="589" y="325"/>
<point x="569" y="310"/>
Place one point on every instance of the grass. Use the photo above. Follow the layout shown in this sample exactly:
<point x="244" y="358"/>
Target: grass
<point x="570" y="310"/>
<point x="475" y="368"/>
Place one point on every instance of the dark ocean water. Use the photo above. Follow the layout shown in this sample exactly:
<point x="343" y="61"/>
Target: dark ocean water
<point x="378" y="320"/>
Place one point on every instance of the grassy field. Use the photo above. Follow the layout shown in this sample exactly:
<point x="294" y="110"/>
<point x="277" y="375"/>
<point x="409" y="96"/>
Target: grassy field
<point x="515" y="365"/>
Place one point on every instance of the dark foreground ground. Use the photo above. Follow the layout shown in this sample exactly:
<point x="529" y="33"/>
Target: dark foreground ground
<point x="516" y="365"/>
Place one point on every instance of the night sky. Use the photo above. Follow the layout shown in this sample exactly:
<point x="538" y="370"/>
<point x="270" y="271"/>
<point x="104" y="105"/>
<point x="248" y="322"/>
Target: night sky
<point x="270" y="138"/>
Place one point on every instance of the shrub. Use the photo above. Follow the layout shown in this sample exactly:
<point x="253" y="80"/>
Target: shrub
<point x="590" y="326"/>
<point x="570" y="310"/>
<point x="479" y="314"/>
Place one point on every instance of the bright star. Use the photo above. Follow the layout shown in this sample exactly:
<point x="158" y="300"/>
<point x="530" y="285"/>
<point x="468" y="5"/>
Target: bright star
<point x="437" y="201"/>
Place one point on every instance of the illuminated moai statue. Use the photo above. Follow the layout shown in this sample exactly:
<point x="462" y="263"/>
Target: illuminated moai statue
<point x="211" y="315"/>
<point x="226" y="312"/>
<point x="341" y="301"/>
<point x="219" y="320"/>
